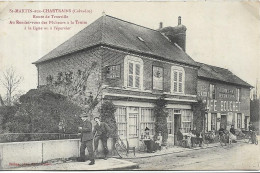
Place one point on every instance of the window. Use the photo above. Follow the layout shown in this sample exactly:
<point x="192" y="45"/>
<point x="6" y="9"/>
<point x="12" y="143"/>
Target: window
<point x="238" y="97"/>
<point x="147" y="120"/>
<point x="157" y="78"/>
<point x="239" y="120"/>
<point x="213" y="121"/>
<point x="170" y="121"/>
<point x="113" y="71"/>
<point x="212" y="91"/>
<point x="133" y="72"/>
<point x="121" y="121"/>
<point x="177" y="79"/>
<point x="186" y="120"/>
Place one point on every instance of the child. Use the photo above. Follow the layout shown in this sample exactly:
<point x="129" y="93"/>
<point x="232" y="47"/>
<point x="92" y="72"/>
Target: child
<point x="159" y="141"/>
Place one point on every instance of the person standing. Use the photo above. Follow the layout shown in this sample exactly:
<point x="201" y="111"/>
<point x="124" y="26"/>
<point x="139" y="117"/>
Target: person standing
<point x="252" y="132"/>
<point x="86" y="139"/>
<point x="101" y="132"/>
<point x="233" y="134"/>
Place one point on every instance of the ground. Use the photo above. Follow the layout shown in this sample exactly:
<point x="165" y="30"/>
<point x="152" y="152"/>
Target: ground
<point x="238" y="156"/>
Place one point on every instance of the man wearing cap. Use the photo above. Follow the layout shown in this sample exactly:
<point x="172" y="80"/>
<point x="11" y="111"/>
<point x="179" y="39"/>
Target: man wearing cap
<point x="101" y="132"/>
<point x="86" y="139"/>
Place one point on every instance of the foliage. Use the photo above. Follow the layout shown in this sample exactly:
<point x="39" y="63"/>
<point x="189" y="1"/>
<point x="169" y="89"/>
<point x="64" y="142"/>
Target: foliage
<point x="42" y="111"/>
<point x="107" y="112"/>
<point x="198" y="114"/>
<point x="161" y="114"/>
<point x="7" y="114"/>
<point x="75" y="86"/>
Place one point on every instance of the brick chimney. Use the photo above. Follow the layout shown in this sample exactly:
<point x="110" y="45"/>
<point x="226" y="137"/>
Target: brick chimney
<point x="161" y="25"/>
<point x="176" y="34"/>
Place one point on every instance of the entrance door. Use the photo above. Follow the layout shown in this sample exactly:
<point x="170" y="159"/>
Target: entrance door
<point x="177" y="125"/>
<point x="133" y="125"/>
<point x="223" y="121"/>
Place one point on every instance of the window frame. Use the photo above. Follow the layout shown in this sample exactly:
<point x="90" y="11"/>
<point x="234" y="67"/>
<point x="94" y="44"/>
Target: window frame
<point x="212" y="92"/>
<point x="239" y="124"/>
<point x="179" y="70"/>
<point x="215" y="121"/>
<point x="135" y="60"/>
<point x="238" y="94"/>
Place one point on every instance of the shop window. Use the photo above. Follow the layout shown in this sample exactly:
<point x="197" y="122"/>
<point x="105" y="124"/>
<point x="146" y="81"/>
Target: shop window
<point x="121" y="121"/>
<point x="186" y="120"/>
<point x="157" y="78"/>
<point x="147" y="120"/>
<point x="213" y="121"/>
<point x="133" y="72"/>
<point x="133" y="124"/>
<point x="239" y="120"/>
<point x="177" y="79"/>
<point x="238" y="94"/>
<point x="113" y="71"/>
<point x="170" y="121"/>
<point x="212" y="91"/>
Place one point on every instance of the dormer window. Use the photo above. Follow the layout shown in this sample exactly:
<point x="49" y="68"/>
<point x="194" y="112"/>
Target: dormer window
<point x="141" y="39"/>
<point x="177" y="79"/>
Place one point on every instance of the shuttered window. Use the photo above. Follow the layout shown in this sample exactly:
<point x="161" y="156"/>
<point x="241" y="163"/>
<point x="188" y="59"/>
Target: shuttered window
<point x="178" y="80"/>
<point x="134" y="75"/>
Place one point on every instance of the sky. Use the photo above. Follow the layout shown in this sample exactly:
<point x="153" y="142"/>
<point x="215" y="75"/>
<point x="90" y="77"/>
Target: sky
<point x="224" y="34"/>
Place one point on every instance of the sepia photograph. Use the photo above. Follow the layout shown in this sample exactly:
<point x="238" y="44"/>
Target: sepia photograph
<point x="129" y="86"/>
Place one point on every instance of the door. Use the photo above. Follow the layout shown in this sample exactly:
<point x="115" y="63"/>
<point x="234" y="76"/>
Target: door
<point x="223" y="121"/>
<point x="177" y="125"/>
<point x="133" y="125"/>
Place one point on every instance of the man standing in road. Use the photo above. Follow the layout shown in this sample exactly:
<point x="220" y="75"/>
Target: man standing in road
<point x="101" y="132"/>
<point x="86" y="139"/>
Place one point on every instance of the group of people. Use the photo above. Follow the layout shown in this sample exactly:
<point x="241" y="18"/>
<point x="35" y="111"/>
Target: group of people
<point x="152" y="143"/>
<point x="189" y="140"/>
<point x="100" y="132"/>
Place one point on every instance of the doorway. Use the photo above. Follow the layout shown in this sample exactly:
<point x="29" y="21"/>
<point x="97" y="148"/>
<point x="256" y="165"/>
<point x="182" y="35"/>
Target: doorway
<point x="223" y="122"/>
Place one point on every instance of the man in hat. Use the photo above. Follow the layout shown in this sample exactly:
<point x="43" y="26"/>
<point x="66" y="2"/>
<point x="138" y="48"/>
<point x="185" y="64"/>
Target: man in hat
<point x="86" y="139"/>
<point x="101" y="132"/>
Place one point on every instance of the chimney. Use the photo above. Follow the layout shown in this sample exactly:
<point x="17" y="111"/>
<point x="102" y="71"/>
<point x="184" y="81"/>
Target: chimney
<point x="179" y="20"/>
<point x="176" y="34"/>
<point x="161" y="25"/>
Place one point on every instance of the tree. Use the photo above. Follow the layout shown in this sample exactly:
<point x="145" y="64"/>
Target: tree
<point x="10" y="80"/>
<point x="161" y="114"/>
<point x="78" y="87"/>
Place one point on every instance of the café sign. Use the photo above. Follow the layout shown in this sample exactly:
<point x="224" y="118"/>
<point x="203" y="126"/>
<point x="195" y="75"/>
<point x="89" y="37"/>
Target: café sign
<point x="223" y="106"/>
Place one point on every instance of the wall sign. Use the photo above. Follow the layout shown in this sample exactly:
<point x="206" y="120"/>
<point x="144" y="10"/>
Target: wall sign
<point x="157" y="78"/>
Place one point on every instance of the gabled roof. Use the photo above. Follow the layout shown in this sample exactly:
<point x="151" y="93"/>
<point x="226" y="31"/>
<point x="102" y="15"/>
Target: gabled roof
<point x="220" y="74"/>
<point x="110" y="31"/>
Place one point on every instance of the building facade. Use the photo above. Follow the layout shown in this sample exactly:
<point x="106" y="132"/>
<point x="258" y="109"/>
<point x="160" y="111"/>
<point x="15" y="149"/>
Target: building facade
<point x="227" y="98"/>
<point x="136" y="65"/>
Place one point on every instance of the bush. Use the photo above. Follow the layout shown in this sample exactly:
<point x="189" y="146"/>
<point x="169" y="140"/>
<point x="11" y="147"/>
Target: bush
<point x="107" y="112"/>
<point x="42" y="111"/>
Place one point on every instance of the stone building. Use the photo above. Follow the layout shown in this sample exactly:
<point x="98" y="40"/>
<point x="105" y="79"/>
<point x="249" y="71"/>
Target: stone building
<point x="135" y="65"/>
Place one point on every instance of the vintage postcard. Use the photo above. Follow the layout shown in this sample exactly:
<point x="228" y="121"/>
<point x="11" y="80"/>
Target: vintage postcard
<point x="129" y="85"/>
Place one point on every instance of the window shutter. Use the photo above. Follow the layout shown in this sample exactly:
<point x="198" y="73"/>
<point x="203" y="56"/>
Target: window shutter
<point x="180" y="81"/>
<point x="130" y="75"/>
<point x="137" y="75"/>
<point x="175" y="81"/>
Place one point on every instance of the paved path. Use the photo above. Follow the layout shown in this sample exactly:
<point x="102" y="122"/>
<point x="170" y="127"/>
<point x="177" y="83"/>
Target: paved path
<point x="110" y="164"/>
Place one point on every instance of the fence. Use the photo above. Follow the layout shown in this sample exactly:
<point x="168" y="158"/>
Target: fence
<point x="19" y="137"/>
